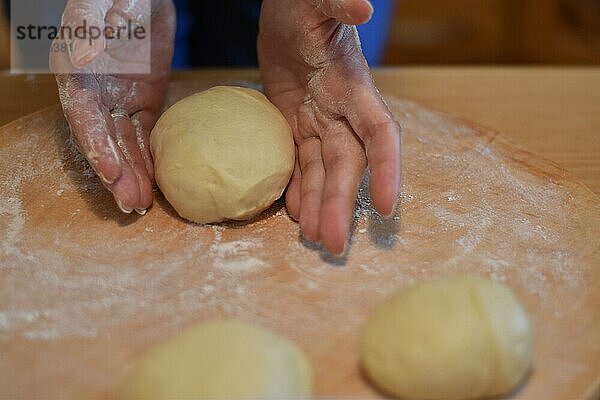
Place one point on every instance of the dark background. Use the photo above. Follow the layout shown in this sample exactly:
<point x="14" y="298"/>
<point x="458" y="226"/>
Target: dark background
<point x="471" y="32"/>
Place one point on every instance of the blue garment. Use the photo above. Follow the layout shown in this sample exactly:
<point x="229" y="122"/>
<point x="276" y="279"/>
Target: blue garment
<point x="374" y="34"/>
<point x="181" y="57"/>
<point x="223" y="33"/>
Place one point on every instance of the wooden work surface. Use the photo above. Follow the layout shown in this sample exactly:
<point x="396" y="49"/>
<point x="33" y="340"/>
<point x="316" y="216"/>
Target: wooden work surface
<point x="85" y="290"/>
<point x="554" y="112"/>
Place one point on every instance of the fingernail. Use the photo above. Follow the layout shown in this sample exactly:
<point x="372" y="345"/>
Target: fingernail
<point x="345" y="249"/>
<point x="392" y="212"/>
<point x="123" y="208"/>
<point x="141" y="211"/>
<point x="84" y="59"/>
<point x="343" y="252"/>
<point x="105" y="180"/>
<point x="81" y="56"/>
<point x="371" y="7"/>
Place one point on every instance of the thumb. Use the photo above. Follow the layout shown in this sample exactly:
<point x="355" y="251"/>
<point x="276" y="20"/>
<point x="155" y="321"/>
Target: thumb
<point x="351" y="12"/>
<point x="83" y="22"/>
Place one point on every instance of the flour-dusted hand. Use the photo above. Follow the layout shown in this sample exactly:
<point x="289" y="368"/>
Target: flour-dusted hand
<point x="313" y="69"/>
<point x="111" y="114"/>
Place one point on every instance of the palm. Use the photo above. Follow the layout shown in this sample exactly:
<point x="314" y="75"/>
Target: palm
<point x="117" y="147"/>
<point x="313" y="69"/>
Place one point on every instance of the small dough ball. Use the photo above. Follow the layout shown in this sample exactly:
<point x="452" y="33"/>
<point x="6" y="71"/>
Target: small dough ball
<point x="223" y="359"/>
<point x="459" y="337"/>
<point x="226" y="153"/>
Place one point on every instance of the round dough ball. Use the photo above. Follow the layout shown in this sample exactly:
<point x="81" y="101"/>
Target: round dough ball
<point x="223" y="359"/>
<point x="226" y="153"/>
<point x="460" y="337"/>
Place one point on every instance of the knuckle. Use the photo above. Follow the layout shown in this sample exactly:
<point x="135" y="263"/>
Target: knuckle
<point x="335" y="197"/>
<point x="79" y="10"/>
<point x="349" y="162"/>
<point x="388" y="126"/>
<point x="311" y="165"/>
<point x="311" y="192"/>
<point x="338" y="161"/>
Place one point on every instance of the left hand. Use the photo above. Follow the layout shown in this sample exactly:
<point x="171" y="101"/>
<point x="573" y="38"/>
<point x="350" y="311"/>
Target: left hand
<point x="111" y="113"/>
<point x="314" y="71"/>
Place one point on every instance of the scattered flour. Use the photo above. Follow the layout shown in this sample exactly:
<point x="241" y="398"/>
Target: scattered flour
<point x="432" y="211"/>
<point x="91" y="272"/>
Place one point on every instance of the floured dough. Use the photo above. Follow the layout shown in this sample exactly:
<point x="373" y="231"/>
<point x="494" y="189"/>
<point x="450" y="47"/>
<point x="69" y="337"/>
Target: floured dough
<point x="223" y="359"/>
<point x="226" y="153"/>
<point x="460" y="337"/>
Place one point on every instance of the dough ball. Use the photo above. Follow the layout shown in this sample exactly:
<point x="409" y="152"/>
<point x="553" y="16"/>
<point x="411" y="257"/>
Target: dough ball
<point x="226" y="153"/>
<point x="223" y="359"/>
<point x="460" y="337"/>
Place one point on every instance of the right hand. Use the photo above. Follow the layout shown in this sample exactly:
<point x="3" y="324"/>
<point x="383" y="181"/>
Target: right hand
<point x="314" y="71"/>
<point x="116" y="146"/>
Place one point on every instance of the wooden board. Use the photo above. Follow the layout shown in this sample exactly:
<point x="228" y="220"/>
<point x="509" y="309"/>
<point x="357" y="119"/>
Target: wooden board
<point x="85" y="290"/>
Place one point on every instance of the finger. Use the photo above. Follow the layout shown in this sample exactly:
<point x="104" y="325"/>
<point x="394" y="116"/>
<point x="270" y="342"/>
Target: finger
<point x="351" y="12"/>
<point x="133" y="191"/>
<point x="88" y="16"/>
<point x="135" y="96"/>
<point x="137" y="12"/>
<point x="345" y="163"/>
<point x="380" y="132"/>
<point x="143" y="123"/>
<point x="292" y="195"/>
<point x="90" y="124"/>
<point x="313" y="177"/>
